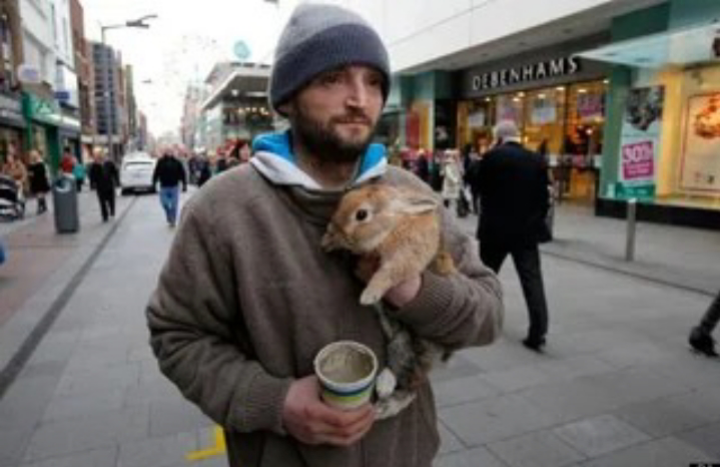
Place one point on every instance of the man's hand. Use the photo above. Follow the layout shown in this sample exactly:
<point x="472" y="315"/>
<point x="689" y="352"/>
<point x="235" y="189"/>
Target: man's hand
<point x="307" y="418"/>
<point x="404" y="292"/>
<point x="398" y="296"/>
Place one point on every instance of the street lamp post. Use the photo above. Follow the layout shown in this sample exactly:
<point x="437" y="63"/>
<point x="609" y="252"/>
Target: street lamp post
<point x="137" y="23"/>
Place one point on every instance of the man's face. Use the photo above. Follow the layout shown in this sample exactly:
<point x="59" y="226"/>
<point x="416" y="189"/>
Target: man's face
<point x="335" y="116"/>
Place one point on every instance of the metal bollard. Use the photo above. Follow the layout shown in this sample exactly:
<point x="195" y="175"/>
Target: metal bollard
<point x="630" y="240"/>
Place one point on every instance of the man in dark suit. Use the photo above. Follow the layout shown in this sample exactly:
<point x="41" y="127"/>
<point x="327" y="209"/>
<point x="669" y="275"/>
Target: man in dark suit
<point x="515" y="200"/>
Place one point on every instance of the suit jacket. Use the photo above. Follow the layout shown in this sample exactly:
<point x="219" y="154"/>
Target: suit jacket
<point x="104" y="177"/>
<point x="514" y="195"/>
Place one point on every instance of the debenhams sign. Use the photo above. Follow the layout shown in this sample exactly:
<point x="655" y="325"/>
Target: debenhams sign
<point x="548" y="69"/>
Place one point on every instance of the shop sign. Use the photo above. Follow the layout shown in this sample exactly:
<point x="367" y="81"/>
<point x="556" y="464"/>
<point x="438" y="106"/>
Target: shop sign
<point x="29" y="74"/>
<point x="640" y="142"/>
<point x="554" y="68"/>
<point x="42" y="110"/>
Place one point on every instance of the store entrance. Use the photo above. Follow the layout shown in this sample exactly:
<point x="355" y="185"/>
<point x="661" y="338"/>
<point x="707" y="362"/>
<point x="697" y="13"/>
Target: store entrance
<point x="562" y="123"/>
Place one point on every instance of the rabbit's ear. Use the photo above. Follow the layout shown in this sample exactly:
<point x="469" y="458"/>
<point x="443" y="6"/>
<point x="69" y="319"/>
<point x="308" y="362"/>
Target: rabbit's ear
<point x="414" y="203"/>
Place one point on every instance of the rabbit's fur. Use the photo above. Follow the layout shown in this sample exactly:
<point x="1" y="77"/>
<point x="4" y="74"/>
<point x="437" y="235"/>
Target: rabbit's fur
<point x="398" y="226"/>
<point x="398" y="230"/>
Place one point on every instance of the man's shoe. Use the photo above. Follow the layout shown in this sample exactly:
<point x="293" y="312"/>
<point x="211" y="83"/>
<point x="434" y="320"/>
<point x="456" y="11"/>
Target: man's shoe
<point x="702" y="342"/>
<point x="534" y="344"/>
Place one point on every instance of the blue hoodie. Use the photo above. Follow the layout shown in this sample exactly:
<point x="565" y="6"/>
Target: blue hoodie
<point x="273" y="157"/>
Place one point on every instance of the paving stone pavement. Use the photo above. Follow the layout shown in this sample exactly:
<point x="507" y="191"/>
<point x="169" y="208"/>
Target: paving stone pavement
<point x="616" y="387"/>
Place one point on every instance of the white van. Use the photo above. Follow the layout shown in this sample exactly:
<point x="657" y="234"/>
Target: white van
<point x="136" y="173"/>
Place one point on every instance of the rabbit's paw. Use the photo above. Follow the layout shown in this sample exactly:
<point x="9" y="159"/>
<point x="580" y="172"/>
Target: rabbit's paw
<point x="385" y="383"/>
<point x="370" y="296"/>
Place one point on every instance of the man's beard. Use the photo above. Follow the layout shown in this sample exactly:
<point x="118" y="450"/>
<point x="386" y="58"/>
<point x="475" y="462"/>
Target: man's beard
<point x="324" y="143"/>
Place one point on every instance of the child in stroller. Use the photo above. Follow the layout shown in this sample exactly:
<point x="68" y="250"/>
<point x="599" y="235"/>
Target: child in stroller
<point x="12" y="200"/>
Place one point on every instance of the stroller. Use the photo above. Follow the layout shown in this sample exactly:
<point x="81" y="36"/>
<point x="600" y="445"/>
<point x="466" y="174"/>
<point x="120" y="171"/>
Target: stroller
<point x="12" y="200"/>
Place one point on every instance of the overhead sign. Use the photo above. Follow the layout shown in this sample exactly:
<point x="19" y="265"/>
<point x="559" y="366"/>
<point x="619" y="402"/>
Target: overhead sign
<point x="28" y="74"/>
<point x="241" y="50"/>
<point x="62" y="96"/>
<point x="563" y="66"/>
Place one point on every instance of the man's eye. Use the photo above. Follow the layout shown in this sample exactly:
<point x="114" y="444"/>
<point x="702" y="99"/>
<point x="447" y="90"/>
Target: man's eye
<point x="375" y="81"/>
<point x="330" y="78"/>
<point x="361" y="215"/>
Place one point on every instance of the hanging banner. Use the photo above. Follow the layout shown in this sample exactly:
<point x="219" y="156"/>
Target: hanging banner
<point x="700" y="167"/>
<point x="590" y="106"/>
<point x="544" y="111"/>
<point x="640" y="143"/>
<point x="509" y="108"/>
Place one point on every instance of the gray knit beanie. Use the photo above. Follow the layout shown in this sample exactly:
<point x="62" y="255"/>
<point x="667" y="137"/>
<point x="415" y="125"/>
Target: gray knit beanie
<point x="319" y="38"/>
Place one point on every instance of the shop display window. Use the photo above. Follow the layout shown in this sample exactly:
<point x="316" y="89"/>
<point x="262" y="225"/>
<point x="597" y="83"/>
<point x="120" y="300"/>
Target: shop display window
<point x="585" y="123"/>
<point x="475" y="123"/>
<point x="544" y="120"/>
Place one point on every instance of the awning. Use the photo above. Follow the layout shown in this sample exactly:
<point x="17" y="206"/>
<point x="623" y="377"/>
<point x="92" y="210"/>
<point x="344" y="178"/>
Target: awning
<point x="681" y="47"/>
<point x="243" y="82"/>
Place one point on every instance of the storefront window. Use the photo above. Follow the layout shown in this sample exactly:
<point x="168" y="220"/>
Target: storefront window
<point x="40" y="140"/>
<point x="510" y="107"/>
<point x="475" y="122"/>
<point x="586" y="120"/>
<point x="544" y="120"/>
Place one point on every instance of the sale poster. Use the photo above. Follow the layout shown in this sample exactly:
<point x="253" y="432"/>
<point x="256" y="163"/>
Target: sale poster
<point x="700" y="168"/>
<point x="640" y="142"/>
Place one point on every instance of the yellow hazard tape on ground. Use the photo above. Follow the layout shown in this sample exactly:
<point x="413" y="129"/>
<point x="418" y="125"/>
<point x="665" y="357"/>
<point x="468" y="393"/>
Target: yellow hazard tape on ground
<point x="217" y="450"/>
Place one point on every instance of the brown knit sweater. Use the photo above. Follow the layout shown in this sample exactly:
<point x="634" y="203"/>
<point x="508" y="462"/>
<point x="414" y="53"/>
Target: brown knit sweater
<point x="247" y="298"/>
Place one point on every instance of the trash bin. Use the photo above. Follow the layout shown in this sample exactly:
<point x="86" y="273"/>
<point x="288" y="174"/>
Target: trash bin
<point x="65" y="202"/>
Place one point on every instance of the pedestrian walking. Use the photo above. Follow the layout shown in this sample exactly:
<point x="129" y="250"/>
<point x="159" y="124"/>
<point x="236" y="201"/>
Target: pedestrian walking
<point x="452" y="179"/>
<point x="67" y="162"/>
<point x="248" y="297"/>
<point x="15" y="169"/>
<point x="104" y="179"/>
<point x="472" y="180"/>
<point x="514" y="200"/>
<point x="39" y="183"/>
<point x="422" y="167"/>
<point x="204" y="171"/>
<point x="700" y="336"/>
<point x="79" y="174"/>
<point x="170" y="173"/>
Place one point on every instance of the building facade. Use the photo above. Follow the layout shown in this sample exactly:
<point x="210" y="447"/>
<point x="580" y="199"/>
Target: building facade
<point x="65" y="87"/>
<point x="83" y="70"/>
<point x="131" y="108"/>
<point x="48" y="127"/>
<point x="621" y="94"/>
<point x="107" y="98"/>
<point x="236" y="107"/>
<point x="12" y="122"/>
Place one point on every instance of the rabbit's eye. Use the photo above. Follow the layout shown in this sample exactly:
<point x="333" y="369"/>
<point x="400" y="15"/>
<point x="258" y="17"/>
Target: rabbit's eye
<point x="361" y="215"/>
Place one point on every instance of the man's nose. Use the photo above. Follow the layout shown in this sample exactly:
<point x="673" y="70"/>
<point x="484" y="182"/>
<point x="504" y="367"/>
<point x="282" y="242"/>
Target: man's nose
<point x="358" y="92"/>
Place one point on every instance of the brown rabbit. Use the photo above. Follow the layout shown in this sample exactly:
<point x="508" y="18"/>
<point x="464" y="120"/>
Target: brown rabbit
<point x="398" y="226"/>
<point x="399" y="229"/>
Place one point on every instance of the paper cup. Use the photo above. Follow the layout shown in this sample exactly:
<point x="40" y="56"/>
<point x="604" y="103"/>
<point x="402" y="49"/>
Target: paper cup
<point x="346" y="371"/>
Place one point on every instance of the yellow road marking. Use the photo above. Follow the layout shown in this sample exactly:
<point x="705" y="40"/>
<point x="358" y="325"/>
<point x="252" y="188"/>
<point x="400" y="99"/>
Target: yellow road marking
<point x="217" y="450"/>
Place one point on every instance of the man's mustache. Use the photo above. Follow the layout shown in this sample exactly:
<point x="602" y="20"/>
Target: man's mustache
<point x="356" y="118"/>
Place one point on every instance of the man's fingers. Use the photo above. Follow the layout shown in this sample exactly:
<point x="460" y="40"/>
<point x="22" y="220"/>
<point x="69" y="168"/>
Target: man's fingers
<point x="338" y="418"/>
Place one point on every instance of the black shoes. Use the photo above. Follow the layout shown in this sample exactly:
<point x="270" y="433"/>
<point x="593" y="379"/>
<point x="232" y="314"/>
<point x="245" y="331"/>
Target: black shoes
<point x="535" y="344"/>
<point x="702" y="342"/>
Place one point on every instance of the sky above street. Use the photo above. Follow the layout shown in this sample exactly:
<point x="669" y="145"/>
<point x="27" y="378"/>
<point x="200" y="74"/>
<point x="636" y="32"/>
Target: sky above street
<point x="182" y="44"/>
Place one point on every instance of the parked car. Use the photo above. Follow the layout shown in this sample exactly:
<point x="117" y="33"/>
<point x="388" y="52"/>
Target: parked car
<point x="136" y="173"/>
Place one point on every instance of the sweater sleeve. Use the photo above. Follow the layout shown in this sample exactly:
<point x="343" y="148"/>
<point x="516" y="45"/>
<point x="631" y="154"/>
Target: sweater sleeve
<point x="191" y="317"/>
<point x="462" y="309"/>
